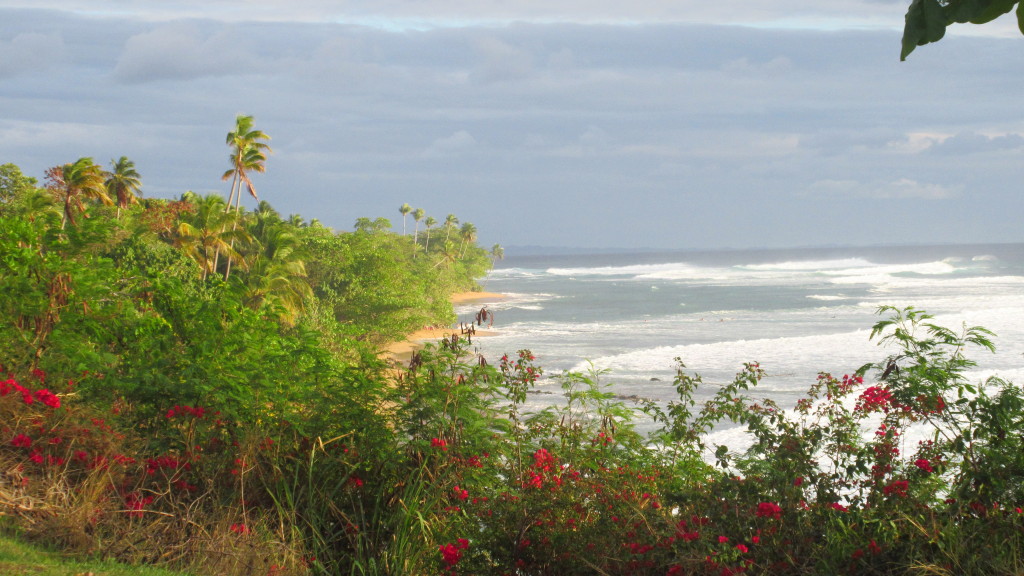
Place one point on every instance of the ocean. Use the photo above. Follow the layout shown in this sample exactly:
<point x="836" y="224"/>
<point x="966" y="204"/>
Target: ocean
<point x="797" y="312"/>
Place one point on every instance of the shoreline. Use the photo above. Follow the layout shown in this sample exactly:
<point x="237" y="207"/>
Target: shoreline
<point x="402" y="351"/>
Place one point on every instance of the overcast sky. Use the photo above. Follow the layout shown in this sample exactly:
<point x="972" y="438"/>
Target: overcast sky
<point x="589" y="123"/>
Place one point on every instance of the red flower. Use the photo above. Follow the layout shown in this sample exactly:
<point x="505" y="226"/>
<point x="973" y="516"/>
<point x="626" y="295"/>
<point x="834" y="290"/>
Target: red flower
<point x="743" y="549"/>
<point x="723" y="539"/>
<point x="452" y="553"/>
<point x="48" y="398"/>
<point x="136" y="504"/>
<point x="21" y="441"/>
<point x="769" y="510"/>
<point x="240" y="529"/>
<point x="438" y="443"/>
<point x="924" y="465"/>
<point x="543" y="459"/>
<point x="874" y="398"/>
<point x="897" y="488"/>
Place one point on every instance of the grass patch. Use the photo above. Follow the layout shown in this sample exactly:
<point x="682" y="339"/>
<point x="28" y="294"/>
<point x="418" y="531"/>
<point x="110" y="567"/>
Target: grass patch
<point x="18" y="558"/>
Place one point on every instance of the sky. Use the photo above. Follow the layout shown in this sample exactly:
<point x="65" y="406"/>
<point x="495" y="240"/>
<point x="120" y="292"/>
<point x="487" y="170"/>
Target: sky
<point x="577" y="123"/>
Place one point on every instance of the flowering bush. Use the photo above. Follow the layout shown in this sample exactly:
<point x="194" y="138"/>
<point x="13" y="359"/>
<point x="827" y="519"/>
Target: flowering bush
<point x="449" y="474"/>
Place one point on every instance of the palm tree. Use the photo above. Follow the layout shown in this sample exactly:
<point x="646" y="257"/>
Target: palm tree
<point x="497" y="253"/>
<point x="123" y="182"/>
<point x="468" y="234"/>
<point x="430" y="222"/>
<point x="71" y="183"/>
<point x="449" y="222"/>
<point x="448" y="254"/>
<point x="277" y="273"/>
<point x="417" y="215"/>
<point x="404" y="210"/>
<point x="205" y="235"/>
<point x="40" y="203"/>
<point x="248" y="153"/>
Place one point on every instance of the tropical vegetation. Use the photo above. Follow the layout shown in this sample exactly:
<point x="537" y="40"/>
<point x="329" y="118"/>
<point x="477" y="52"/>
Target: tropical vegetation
<point x="156" y="409"/>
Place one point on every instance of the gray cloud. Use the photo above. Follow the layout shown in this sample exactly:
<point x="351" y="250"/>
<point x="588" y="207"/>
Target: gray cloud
<point x="184" y="51"/>
<point x="668" y="135"/>
<point x="30" y="52"/>
<point x="966" y="143"/>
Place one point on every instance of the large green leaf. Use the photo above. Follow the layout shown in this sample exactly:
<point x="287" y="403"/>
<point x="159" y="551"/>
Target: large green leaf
<point x="992" y="10"/>
<point x="925" y="22"/>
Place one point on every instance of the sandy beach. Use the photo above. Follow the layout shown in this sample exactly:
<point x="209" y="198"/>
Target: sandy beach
<point x="402" y="351"/>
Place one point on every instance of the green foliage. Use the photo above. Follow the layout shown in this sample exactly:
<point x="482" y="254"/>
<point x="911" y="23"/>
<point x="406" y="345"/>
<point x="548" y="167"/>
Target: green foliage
<point x="14" y="186"/>
<point x="927" y="20"/>
<point x="445" y="470"/>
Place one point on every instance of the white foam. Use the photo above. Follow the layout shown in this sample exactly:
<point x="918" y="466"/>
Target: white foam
<point x="811" y="265"/>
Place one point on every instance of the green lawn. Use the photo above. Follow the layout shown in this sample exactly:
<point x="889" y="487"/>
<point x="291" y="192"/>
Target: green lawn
<point x="18" y="558"/>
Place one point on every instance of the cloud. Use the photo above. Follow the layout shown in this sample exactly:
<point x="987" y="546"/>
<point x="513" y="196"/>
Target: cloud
<point x="700" y="132"/>
<point x="182" y="51"/>
<point x="965" y="143"/>
<point x="455" y="144"/>
<point x="499" y="61"/>
<point x="901" y="188"/>
<point x="30" y="52"/>
<point x="402" y="14"/>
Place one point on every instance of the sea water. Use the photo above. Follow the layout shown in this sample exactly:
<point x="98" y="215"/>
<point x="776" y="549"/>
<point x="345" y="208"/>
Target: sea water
<point x="796" y="312"/>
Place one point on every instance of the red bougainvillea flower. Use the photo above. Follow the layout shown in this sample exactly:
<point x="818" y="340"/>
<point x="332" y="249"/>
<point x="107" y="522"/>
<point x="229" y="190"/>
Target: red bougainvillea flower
<point x="743" y="549"/>
<point x="896" y="488"/>
<point x="924" y="465"/>
<point x="21" y="441"/>
<point x="47" y="398"/>
<point x="136" y="504"/>
<point x="543" y="460"/>
<point x="452" y="553"/>
<point x="240" y="529"/>
<point x="874" y="398"/>
<point x="769" y="510"/>
<point x="438" y="443"/>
